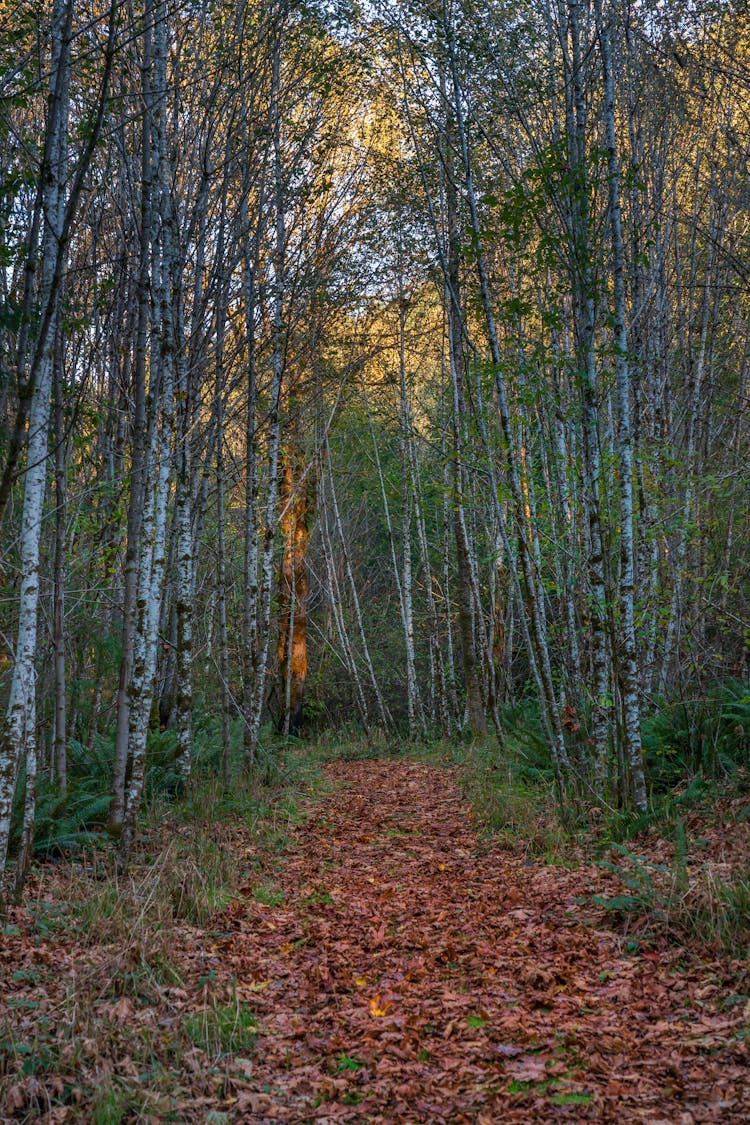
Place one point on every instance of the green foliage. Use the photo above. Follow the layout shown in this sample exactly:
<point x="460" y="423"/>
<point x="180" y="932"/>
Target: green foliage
<point x="680" y="855"/>
<point x="637" y="874"/>
<point x="162" y="777"/>
<point x="67" y="821"/>
<point x="77" y="817"/>
<point x="348" y="1062"/>
<point x="572" y="1098"/>
<point x="708" y="735"/>
<point x="522" y="725"/>
<point x="351" y="745"/>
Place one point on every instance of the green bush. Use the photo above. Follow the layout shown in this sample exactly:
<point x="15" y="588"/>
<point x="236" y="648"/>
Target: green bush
<point x="708" y="736"/>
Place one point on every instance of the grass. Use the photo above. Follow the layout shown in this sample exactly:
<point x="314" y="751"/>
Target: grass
<point x="675" y="886"/>
<point x="110" y="1104"/>
<point x="717" y="910"/>
<point x="223" y="1029"/>
<point x="120" y="1025"/>
<point x="88" y="1041"/>
<point x="510" y="790"/>
<point x="268" y="894"/>
<point x="476" y="1021"/>
<point x="352" y="745"/>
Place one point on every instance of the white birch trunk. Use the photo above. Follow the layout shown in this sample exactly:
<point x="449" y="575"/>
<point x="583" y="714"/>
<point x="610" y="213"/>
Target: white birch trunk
<point x="414" y="701"/>
<point x="630" y="680"/>
<point x="437" y="662"/>
<point x="158" y="470"/>
<point x="274" y="438"/>
<point x="17" y="738"/>
<point x="534" y="593"/>
<point x="251" y="592"/>
<point x="138" y="455"/>
<point x="184" y="572"/>
<point x="601" y="702"/>
<point x="674" y="623"/>
<point x="59" y="741"/>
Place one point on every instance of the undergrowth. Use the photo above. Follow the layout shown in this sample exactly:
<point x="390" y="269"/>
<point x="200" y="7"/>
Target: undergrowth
<point x="666" y="870"/>
<point x="670" y="861"/>
<point x="139" y="936"/>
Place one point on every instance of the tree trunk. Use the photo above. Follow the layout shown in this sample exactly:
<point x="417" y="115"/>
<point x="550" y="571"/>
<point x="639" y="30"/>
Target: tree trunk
<point x="18" y="733"/>
<point x="629" y="679"/>
<point x="294" y="526"/>
<point x="136" y="497"/>
<point x="59" y="745"/>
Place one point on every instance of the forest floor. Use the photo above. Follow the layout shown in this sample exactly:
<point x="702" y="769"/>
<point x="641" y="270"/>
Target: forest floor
<point x="392" y="964"/>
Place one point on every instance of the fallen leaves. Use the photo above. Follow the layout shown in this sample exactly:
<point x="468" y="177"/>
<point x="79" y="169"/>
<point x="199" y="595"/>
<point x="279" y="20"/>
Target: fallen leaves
<point x="378" y="1007"/>
<point x="490" y="993"/>
<point x="411" y="975"/>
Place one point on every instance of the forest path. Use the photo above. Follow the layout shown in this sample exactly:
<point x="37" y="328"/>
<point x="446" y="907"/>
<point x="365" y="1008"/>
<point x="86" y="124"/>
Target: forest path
<point x="414" y="972"/>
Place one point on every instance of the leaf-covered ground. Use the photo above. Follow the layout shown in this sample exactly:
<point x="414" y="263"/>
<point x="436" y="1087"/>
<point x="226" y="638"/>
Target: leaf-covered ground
<point x="413" y="972"/>
<point x="392" y="964"/>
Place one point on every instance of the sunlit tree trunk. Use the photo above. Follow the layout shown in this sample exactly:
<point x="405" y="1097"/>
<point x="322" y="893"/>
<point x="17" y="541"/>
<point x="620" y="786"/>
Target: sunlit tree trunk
<point x="294" y="528"/>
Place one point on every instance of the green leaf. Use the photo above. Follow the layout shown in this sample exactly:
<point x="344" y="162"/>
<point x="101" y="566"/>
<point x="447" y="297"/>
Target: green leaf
<point x="627" y="903"/>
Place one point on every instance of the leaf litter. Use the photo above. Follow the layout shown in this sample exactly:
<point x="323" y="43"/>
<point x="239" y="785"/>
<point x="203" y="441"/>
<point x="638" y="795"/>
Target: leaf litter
<point x="472" y="985"/>
<point x="403" y="970"/>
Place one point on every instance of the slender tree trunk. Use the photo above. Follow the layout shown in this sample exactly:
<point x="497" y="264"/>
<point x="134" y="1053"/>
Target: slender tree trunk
<point x="535" y="596"/>
<point x="336" y="601"/>
<point x="584" y="313"/>
<point x="629" y="680"/>
<point x="294" y="525"/>
<point x="158" y="469"/>
<point x="475" y="712"/>
<point x="414" y="703"/>
<point x="402" y="578"/>
<point x="437" y="661"/>
<point x="383" y="712"/>
<point x="221" y="574"/>
<point x="221" y="583"/>
<point x="251" y="652"/>
<point x="184" y="572"/>
<point x="697" y="372"/>
<point x="59" y="746"/>
<point x="274" y="436"/>
<point x="18" y="732"/>
<point x="136" y="497"/>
